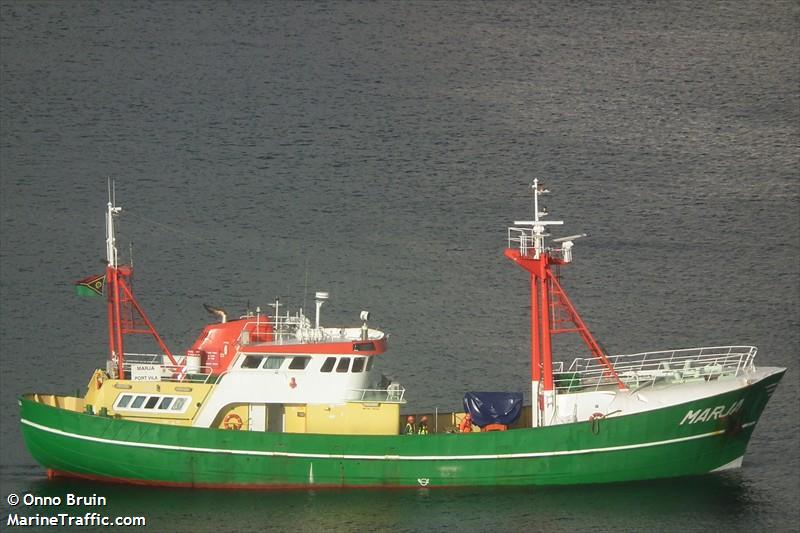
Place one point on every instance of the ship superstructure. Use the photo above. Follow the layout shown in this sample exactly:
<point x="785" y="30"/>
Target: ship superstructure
<point x="256" y="372"/>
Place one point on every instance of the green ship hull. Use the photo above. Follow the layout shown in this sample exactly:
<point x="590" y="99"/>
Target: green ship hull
<point x="690" y="438"/>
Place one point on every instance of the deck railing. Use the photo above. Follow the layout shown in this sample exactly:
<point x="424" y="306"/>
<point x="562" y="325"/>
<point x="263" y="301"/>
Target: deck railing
<point x="649" y="368"/>
<point x="164" y="372"/>
<point x="295" y="331"/>
<point x="524" y="240"/>
<point x="393" y="394"/>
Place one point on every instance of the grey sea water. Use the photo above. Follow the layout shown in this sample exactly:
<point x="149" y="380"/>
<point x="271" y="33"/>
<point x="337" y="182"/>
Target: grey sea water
<point x="379" y="151"/>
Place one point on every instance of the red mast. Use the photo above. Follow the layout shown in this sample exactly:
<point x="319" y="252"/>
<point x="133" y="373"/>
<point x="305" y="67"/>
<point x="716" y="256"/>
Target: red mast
<point x="125" y="315"/>
<point x="550" y="305"/>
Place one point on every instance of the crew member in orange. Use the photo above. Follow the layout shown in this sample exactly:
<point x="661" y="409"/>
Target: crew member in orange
<point x="466" y="424"/>
<point x="409" y="426"/>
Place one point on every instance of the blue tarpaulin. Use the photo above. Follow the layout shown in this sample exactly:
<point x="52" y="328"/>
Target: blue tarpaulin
<point x="493" y="407"/>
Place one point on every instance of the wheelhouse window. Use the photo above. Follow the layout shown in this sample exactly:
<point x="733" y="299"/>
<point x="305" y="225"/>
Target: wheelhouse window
<point x="299" y="363"/>
<point x="327" y="366"/>
<point x="151" y="402"/>
<point x="344" y="364"/>
<point x="274" y="363"/>
<point x="124" y="400"/>
<point x="178" y="405"/>
<point x="370" y="360"/>
<point x="137" y="403"/>
<point x="358" y="364"/>
<point x="364" y="346"/>
<point x="252" y="361"/>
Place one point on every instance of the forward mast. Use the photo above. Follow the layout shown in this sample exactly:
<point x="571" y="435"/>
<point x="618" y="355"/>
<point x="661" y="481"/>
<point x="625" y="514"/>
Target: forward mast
<point x="552" y="312"/>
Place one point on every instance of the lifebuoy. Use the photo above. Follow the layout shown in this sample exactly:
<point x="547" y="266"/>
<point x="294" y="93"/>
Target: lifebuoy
<point x="232" y="421"/>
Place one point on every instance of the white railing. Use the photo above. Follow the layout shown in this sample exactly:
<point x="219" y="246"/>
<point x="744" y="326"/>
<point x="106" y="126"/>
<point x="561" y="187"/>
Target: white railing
<point x="165" y="372"/>
<point x="144" y="358"/>
<point x="289" y="331"/>
<point x="279" y="329"/>
<point x="521" y="238"/>
<point x="524" y="240"/>
<point x="390" y="395"/>
<point x="648" y="368"/>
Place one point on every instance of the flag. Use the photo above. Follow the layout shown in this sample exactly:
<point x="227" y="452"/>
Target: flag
<point x="91" y="286"/>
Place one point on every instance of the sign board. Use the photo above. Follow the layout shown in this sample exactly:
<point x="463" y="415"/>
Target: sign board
<point x="143" y="372"/>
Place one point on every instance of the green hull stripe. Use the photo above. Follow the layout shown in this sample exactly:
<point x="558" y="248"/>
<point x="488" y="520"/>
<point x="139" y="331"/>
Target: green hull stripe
<point x="376" y="457"/>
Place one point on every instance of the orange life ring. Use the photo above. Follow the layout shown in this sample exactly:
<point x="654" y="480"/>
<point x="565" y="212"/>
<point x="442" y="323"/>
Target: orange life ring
<point x="232" y="421"/>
